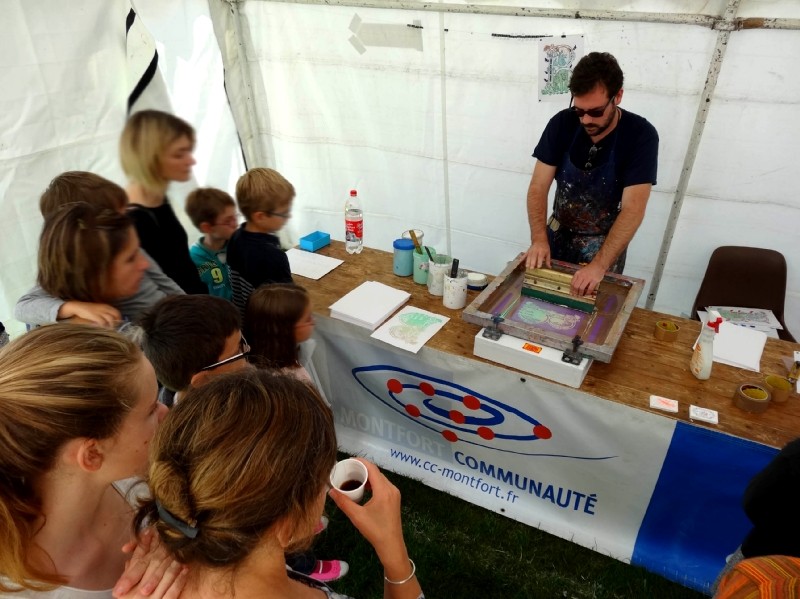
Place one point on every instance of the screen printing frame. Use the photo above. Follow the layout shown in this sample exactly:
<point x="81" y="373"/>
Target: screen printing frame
<point x="509" y="282"/>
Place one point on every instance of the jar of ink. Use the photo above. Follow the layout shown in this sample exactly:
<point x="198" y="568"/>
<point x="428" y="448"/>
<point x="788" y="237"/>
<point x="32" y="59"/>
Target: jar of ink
<point x="403" y="264"/>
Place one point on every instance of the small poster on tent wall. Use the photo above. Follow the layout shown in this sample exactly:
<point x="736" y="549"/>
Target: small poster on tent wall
<point x="557" y="57"/>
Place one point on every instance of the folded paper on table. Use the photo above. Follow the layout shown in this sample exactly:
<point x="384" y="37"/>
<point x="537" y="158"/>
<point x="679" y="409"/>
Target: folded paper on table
<point x="311" y="266"/>
<point x="369" y="304"/>
<point x="771" y="333"/>
<point x="755" y="318"/>
<point x="410" y="328"/>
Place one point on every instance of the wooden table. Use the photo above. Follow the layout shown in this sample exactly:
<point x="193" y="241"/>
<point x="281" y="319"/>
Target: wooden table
<point x="641" y="366"/>
<point x="599" y="466"/>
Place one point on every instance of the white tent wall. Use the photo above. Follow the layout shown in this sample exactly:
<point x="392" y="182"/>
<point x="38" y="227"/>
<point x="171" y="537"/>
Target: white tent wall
<point x="437" y="131"/>
<point x="67" y="71"/>
<point x="438" y="139"/>
<point x="63" y="100"/>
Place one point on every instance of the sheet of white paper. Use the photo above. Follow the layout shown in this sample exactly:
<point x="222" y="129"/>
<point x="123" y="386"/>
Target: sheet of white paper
<point x="739" y="346"/>
<point x="410" y="328"/>
<point x="771" y="333"/>
<point x="760" y="318"/>
<point x="310" y="265"/>
<point x="369" y="304"/>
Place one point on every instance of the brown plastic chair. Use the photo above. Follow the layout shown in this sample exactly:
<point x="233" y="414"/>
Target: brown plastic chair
<point x="745" y="277"/>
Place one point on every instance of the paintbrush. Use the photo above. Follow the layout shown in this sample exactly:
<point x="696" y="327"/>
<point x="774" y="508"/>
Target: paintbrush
<point x="415" y="240"/>
<point x="454" y="269"/>
<point x="427" y="249"/>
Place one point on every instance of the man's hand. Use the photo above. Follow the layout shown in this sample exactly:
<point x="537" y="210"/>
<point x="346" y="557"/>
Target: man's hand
<point x="538" y="255"/>
<point x="586" y="280"/>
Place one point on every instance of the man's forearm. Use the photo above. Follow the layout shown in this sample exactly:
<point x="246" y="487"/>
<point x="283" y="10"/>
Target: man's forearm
<point x="537" y="214"/>
<point x="541" y="180"/>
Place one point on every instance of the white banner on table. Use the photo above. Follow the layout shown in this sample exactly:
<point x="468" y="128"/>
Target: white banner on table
<point x="569" y="463"/>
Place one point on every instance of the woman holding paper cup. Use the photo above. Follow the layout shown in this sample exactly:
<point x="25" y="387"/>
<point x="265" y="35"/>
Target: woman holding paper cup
<point x="239" y="473"/>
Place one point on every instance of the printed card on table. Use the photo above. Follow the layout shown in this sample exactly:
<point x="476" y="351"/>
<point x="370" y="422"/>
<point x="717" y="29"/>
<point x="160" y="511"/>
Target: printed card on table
<point x="410" y="328"/>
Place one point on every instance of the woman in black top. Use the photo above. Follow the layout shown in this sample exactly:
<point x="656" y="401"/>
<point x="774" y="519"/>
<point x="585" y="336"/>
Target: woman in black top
<point x="156" y="149"/>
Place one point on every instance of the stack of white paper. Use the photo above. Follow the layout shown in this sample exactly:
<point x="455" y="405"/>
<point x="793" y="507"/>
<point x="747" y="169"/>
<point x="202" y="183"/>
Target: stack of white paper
<point x="736" y="345"/>
<point x="739" y="346"/>
<point x="369" y="304"/>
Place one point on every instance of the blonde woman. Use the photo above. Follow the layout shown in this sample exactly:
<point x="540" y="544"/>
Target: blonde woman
<point x="156" y="148"/>
<point x="77" y="412"/>
<point x="238" y="477"/>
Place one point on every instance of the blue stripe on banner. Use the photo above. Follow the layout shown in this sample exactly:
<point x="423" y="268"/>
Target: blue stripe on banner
<point x="695" y="517"/>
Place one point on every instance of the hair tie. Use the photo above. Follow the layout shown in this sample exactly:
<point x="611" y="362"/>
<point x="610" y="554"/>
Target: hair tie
<point x="188" y="530"/>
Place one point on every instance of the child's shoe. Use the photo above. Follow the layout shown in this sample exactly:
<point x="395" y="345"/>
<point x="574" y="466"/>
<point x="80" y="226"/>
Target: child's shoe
<point x="328" y="570"/>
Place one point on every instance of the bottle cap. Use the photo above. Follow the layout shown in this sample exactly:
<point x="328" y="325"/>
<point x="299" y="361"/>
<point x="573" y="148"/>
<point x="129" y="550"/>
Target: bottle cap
<point x="353" y="193"/>
<point x="403" y="244"/>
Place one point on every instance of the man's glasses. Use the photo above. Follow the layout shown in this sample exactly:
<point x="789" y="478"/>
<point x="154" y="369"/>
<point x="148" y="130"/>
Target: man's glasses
<point x="243" y="346"/>
<point x="284" y="215"/>
<point x="595" y="113"/>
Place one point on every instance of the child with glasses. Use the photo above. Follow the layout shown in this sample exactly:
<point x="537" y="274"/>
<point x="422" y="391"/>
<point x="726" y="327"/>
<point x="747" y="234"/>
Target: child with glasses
<point x="213" y="212"/>
<point x="265" y="200"/>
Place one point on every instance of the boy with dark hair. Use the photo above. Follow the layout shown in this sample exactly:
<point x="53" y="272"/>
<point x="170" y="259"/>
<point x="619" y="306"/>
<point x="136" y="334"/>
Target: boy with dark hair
<point x="188" y="338"/>
<point x="265" y="199"/>
<point x="213" y="212"/>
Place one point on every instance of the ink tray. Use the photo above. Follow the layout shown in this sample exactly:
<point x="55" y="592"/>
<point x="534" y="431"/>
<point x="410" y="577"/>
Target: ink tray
<point x="314" y="241"/>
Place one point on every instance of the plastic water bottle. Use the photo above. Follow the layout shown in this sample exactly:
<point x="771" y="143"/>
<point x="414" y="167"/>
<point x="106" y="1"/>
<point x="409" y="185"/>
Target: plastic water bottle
<point x="353" y="224"/>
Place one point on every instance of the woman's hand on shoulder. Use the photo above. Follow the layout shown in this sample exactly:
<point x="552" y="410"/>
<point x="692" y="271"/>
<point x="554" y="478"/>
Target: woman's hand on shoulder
<point x="90" y="312"/>
<point x="151" y="571"/>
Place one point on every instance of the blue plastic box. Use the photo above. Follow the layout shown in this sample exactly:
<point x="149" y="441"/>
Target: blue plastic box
<point x="314" y="241"/>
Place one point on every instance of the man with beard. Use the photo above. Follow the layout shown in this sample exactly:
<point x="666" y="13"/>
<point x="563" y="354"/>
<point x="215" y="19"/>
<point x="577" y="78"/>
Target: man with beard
<point x="603" y="160"/>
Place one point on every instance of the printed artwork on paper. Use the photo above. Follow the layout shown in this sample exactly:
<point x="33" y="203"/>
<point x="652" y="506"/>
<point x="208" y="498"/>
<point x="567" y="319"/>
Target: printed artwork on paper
<point x="410" y="328"/>
<point x="557" y="57"/>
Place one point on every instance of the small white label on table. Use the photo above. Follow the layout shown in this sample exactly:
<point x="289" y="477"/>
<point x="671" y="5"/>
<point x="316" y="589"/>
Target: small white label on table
<point x="662" y="403"/>
<point x="704" y="414"/>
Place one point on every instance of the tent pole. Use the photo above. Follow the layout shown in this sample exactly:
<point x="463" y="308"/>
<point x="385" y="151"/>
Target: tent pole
<point x="445" y="154"/>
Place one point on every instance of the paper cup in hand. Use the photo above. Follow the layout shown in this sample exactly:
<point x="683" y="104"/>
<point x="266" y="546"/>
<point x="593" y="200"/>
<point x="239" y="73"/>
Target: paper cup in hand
<point x="349" y="477"/>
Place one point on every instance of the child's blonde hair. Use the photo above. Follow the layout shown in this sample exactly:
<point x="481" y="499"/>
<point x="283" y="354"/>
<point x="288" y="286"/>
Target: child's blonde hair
<point x="146" y="136"/>
<point x="262" y="190"/>
<point x="205" y="204"/>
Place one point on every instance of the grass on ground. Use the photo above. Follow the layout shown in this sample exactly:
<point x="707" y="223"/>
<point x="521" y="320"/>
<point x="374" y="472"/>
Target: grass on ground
<point x="462" y="550"/>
